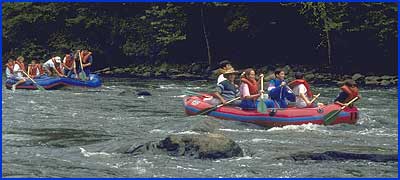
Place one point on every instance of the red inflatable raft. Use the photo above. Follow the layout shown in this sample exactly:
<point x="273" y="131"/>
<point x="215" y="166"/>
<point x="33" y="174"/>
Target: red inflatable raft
<point x="277" y="118"/>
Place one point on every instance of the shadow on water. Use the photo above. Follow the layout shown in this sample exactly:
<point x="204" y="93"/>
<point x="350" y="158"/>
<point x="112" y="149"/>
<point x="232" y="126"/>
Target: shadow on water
<point x="58" y="137"/>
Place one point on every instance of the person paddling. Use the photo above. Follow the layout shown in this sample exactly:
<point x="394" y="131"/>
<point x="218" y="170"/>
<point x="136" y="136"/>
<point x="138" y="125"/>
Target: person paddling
<point x="225" y="65"/>
<point x="34" y="69"/>
<point x="53" y="67"/>
<point x="19" y="67"/>
<point x="249" y="89"/>
<point x="10" y="68"/>
<point x="278" y="91"/>
<point x="349" y="92"/>
<point x="303" y="92"/>
<point x="69" y="65"/>
<point x="227" y="89"/>
<point x="87" y="60"/>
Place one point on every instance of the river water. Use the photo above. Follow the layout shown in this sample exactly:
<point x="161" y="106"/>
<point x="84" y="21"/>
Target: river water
<point x="76" y="132"/>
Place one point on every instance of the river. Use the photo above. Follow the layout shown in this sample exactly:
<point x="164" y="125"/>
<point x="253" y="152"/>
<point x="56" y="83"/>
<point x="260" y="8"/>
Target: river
<point x="76" y="132"/>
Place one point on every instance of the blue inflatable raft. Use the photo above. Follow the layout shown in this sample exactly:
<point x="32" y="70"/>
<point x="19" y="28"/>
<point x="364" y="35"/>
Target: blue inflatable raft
<point x="56" y="82"/>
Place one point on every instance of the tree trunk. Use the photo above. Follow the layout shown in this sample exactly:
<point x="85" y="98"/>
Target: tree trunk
<point x="205" y="36"/>
<point x="328" y="42"/>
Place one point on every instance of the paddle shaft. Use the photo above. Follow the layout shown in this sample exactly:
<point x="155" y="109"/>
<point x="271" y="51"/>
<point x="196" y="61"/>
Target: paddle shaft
<point x="29" y="77"/>
<point x="80" y="61"/>
<point x="217" y="106"/>
<point x="37" y="85"/>
<point x="347" y="104"/>
<point x="315" y="98"/>
<point x="262" y="87"/>
<point x="228" y="102"/>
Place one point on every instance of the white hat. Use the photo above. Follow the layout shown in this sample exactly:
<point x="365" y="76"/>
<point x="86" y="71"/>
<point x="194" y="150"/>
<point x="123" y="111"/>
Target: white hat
<point x="58" y="59"/>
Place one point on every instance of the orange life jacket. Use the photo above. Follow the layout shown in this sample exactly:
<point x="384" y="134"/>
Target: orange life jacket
<point x="252" y="84"/>
<point x="352" y="92"/>
<point x="21" y="65"/>
<point x="58" y="68"/>
<point x="41" y="70"/>
<point x="68" y="61"/>
<point x="33" y="69"/>
<point x="305" y="83"/>
<point x="10" y="67"/>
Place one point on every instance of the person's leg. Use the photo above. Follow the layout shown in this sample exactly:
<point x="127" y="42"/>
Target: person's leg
<point x="20" y="81"/>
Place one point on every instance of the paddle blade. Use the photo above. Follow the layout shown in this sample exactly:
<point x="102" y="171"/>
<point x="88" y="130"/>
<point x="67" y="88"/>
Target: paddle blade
<point x="261" y="107"/>
<point x="40" y="87"/>
<point x="82" y="75"/>
<point x="330" y="117"/>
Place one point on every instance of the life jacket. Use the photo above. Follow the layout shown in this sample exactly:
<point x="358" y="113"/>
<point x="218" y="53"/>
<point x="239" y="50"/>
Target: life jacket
<point x="351" y="92"/>
<point x="297" y="82"/>
<point x="41" y="70"/>
<point x="252" y="84"/>
<point x="58" y="68"/>
<point x="33" y="69"/>
<point x="69" y="61"/>
<point x="10" y="67"/>
<point x="85" y="57"/>
<point x="21" y="65"/>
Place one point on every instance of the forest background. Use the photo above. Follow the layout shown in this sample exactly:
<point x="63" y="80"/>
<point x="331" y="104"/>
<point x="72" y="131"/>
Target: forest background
<point x="346" y="37"/>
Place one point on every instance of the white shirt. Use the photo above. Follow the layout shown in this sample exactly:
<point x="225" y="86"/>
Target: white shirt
<point x="297" y="90"/>
<point x="17" y="68"/>
<point x="244" y="90"/>
<point x="8" y="73"/>
<point x="50" y="64"/>
<point x="221" y="78"/>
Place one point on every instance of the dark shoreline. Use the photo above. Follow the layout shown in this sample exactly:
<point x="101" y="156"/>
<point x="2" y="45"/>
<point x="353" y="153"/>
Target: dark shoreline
<point x="193" y="72"/>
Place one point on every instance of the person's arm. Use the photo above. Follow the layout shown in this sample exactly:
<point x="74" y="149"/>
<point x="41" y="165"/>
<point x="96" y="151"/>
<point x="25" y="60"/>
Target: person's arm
<point x="218" y="95"/>
<point x="60" y="74"/>
<point x="246" y="93"/>
<point x="90" y="59"/>
<point x="29" y="68"/>
<point x="302" y="96"/>
<point x="340" y="98"/>
<point x="271" y="85"/>
<point x="74" y="68"/>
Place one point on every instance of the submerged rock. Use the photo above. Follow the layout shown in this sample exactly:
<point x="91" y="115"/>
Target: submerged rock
<point x="198" y="146"/>
<point x="341" y="156"/>
<point x="143" y="93"/>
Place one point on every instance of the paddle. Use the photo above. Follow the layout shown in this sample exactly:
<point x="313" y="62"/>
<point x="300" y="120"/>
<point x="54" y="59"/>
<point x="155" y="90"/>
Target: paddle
<point x="261" y="107"/>
<point x="315" y="98"/>
<point x="331" y="116"/>
<point x="193" y="93"/>
<point x="36" y="84"/>
<point x="207" y="110"/>
<point x="82" y="74"/>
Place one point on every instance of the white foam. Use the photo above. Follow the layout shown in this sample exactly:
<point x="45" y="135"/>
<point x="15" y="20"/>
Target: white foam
<point x="187" y="168"/>
<point x="242" y="130"/>
<point x="301" y="128"/>
<point x="187" y="132"/>
<point x="88" y="154"/>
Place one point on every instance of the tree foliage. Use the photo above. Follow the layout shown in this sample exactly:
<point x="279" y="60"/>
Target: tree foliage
<point x="125" y="33"/>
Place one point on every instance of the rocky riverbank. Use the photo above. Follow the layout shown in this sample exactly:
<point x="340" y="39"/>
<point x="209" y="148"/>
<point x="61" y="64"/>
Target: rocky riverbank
<point x="198" y="71"/>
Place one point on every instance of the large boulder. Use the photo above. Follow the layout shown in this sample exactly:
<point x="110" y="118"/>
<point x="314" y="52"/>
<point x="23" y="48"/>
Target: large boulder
<point x="198" y="146"/>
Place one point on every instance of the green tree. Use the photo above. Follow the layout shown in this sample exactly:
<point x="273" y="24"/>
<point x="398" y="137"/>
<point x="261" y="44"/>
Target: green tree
<point x="326" y="17"/>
